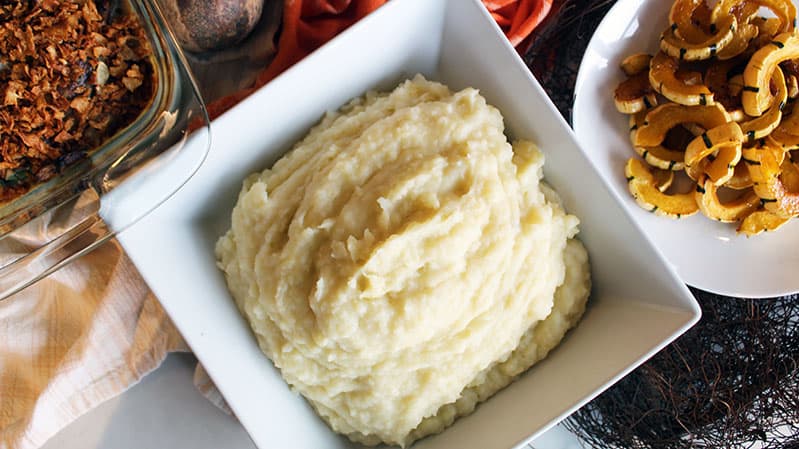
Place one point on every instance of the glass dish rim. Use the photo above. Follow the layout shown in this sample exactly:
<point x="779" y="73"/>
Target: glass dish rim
<point x="168" y="144"/>
<point x="68" y="184"/>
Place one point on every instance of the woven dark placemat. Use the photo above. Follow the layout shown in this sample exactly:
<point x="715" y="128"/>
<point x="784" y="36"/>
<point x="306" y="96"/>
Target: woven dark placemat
<point x="733" y="380"/>
<point x="556" y="50"/>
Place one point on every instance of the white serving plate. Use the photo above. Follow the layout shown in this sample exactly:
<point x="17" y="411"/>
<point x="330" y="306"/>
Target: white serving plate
<point x="706" y="254"/>
<point x="638" y="305"/>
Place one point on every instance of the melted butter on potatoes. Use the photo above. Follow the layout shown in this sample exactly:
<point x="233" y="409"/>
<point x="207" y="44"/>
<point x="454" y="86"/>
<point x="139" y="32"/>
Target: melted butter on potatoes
<point x="404" y="262"/>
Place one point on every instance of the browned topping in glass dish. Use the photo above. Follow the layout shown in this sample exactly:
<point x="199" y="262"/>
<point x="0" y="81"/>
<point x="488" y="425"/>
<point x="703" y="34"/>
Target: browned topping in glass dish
<point x="72" y="73"/>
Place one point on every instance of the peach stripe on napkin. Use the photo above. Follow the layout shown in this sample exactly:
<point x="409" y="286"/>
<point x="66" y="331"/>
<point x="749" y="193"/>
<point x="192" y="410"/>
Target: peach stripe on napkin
<point x="78" y="338"/>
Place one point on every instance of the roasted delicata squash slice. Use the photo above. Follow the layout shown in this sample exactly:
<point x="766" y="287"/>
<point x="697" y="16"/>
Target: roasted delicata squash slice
<point x="717" y="75"/>
<point x="737" y="115"/>
<point x="711" y="141"/>
<point x="693" y="128"/>
<point x="785" y="139"/>
<point x="724" y="7"/>
<point x="664" y="157"/>
<point x="756" y="96"/>
<point x="744" y="11"/>
<point x="634" y="64"/>
<point x="740" y="42"/>
<point x="736" y="84"/>
<point x="643" y="187"/>
<point x="663" y="178"/>
<point x="789" y="174"/>
<point x="689" y="77"/>
<point x="657" y="155"/>
<point x="740" y="178"/>
<point x="707" y="198"/>
<point x="722" y="168"/>
<point x="762" y="126"/>
<point x="785" y="13"/>
<point x="665" y="117"/>
<point x="696" y="171"/>
<point x="636" y="121"/>
<point x="765" y="170"/>
<point x="720" y="81"/>
<point x="662" y="76"/>
<point x="791" y="122"/>
<point x="787" y="133"/>
<point x="635" y="94"/>
<point x="793" y="86"/>
<point x="761" y="221"/>
<point x="751" y="155"/>
<point x="682" y="15"/>
<point x="677" y="47"/>
<point x="768" y="28"/>
<point x="661" y="157"/>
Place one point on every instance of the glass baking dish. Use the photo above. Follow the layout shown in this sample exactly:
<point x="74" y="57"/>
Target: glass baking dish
<point x="130" y="174"/>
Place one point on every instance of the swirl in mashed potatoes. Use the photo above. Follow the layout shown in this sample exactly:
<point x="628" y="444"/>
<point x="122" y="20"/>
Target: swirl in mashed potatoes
<point x="404" y="262"/>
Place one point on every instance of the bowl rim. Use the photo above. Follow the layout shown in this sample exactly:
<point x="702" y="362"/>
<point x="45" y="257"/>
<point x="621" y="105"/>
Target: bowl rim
<point x="190" y="222"/>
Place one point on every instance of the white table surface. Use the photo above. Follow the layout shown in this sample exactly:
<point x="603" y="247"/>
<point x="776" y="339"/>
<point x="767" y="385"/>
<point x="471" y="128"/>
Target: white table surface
<point x="165" y="411"/>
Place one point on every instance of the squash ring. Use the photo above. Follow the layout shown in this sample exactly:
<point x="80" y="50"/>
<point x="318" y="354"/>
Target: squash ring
<point x="793" y="86"/>
<point x="761" y="221"/>
<point x="785" y="12"/>
<point x="682" y="15"/>
<point x="707" y="199"/>
<point x="744" y="12"/>
<point x="762" y="126"/>
<point x="661" y="157"/>
<point x="768" y="28"/>
<point x="736" y="85"/>
<point x="681" y="49"/>
<point x="662" y="77"/>
<point x="663" y="178"/>
<point x="696" y="171"/>
<point x="634" y="94"/>
<point x="756" y="96"/>
<point x="722" y="168"/>
<point x="664" y="117"/>
<point x="765" y="168"/>
<point x="712" y="141"/>
<point x="657" y="155"/>
<point x="634" y="64"/>
<point x="643" y="187"/>
<point x="789" y="174"/>
<point x="787" y="133"/>
<point x="726" y="91"/>
<point x="739" y="43"/>
<point x="636" y="121"/>
<point x="740" y="178"/>
<point x="785" y="139"/>
<point x="791" y="122"/>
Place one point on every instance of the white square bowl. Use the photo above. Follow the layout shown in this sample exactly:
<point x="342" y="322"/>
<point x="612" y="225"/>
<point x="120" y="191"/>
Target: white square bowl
<point x="637" y="306"/>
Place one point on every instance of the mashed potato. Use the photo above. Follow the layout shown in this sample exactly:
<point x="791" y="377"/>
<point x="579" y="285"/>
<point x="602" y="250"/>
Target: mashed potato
<point x="404" y="262"/>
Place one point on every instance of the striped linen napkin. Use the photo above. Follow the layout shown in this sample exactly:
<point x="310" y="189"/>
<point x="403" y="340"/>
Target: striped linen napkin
<point x="73" y="340"/>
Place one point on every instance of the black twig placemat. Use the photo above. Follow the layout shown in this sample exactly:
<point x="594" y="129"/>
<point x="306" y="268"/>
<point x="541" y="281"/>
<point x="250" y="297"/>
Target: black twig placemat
<point x="556" y="50"/>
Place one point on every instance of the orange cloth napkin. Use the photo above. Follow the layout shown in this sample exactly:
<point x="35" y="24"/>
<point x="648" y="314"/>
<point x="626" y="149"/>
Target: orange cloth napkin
<point x="91" y="330"/>
<point x="518" y="18"/>
<point x="308" y="24"/>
